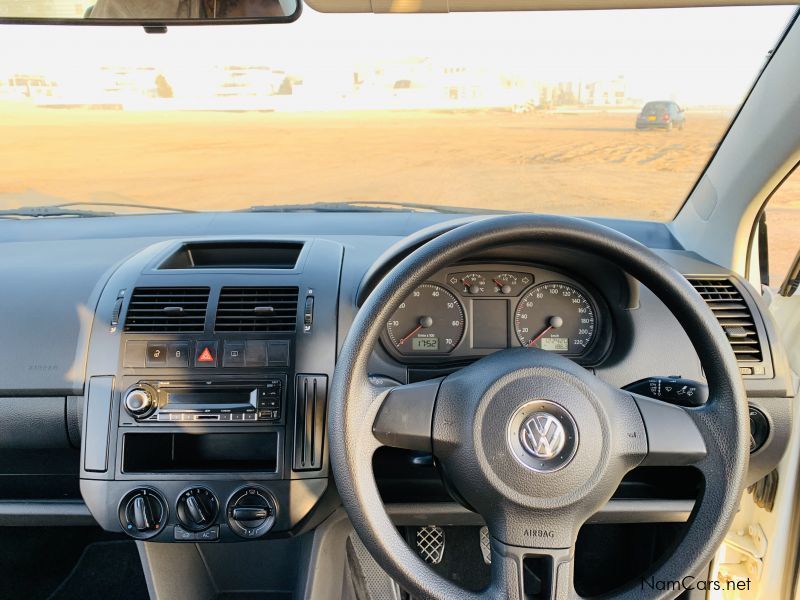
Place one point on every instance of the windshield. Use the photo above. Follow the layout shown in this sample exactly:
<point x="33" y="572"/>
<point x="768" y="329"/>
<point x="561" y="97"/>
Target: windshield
<point x="538" y="112"/>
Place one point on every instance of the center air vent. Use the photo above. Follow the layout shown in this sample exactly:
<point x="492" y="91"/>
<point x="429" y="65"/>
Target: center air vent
<point x="167" y="310"/>
<point x="733" y="313"/>
<point x="258" y="309"/>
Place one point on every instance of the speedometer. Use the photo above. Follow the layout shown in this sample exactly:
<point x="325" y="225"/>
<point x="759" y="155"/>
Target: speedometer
<point x="556" y="317"/>
<point x="429" y="321"/>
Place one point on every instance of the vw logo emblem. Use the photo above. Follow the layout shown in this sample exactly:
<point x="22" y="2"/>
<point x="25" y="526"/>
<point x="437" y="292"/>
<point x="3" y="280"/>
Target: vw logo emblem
<point x="542" y="436"/>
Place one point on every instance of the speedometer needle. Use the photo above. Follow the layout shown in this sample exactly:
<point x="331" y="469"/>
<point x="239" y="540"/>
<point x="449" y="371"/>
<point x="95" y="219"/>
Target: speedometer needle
<point x="408" y="336"/>
<point x="553" y="323"/>
<point x="423" y="322"/>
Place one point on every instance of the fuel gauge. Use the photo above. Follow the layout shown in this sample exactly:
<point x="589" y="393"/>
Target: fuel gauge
<point x="510" y="284"/>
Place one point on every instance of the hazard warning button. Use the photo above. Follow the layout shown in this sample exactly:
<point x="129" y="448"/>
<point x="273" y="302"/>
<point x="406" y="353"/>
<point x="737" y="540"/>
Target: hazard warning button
<point x="205" y="354"/>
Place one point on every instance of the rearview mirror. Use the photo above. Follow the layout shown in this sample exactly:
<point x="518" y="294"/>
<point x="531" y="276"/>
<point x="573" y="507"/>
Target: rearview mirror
<point x="148" y="12"/>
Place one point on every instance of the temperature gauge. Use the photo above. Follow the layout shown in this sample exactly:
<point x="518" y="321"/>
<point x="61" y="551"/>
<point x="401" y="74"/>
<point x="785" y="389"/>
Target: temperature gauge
<point x="473" y="283"/>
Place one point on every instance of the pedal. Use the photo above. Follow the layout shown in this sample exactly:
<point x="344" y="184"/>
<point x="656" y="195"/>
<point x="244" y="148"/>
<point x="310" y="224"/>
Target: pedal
<point x="430" y="544"/>
<point x="486" y="546"/>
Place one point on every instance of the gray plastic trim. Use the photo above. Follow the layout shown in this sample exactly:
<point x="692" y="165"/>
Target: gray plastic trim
<point x="98" y="422"/>
<point x="48" y="513"/>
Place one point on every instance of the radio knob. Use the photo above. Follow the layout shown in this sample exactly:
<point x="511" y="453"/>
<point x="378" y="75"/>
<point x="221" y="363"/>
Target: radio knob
<point x="138" y="401"/>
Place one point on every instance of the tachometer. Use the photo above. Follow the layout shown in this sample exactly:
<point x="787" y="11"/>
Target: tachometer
<point x="556" y="317"/>
<point x="430" y="320"/>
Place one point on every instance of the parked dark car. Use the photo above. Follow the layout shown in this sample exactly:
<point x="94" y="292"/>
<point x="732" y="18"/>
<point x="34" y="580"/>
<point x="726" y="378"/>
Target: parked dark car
<point x="661" y="115"/>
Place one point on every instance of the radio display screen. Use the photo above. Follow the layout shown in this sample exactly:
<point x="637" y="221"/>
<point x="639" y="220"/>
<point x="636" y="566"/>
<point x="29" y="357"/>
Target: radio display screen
<point x="198" y="397"/>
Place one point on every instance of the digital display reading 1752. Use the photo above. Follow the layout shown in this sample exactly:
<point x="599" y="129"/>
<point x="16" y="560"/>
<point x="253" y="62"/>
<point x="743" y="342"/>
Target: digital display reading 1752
<point x="431" y="344"/>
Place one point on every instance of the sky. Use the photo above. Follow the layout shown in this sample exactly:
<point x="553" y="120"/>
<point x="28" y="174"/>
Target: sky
<point x="696" y="56"/>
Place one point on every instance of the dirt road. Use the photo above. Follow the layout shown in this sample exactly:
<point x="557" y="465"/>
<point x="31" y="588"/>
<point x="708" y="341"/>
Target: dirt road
<point x="578" y="164"/>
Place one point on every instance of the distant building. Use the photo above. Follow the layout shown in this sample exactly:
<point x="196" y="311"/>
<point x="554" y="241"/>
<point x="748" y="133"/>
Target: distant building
<point x="22" y="85"/>
<point x="606" y="93"/>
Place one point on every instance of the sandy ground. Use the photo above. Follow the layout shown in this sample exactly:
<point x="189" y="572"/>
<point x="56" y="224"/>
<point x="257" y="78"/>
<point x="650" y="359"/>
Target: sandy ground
<point x="586" y="164"/>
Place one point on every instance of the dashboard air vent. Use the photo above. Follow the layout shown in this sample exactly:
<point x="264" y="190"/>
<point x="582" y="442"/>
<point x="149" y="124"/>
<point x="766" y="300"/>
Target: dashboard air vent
<point x="258" y="309"/>
<point x="733" y="313"/>
<point x="167" y="310"/>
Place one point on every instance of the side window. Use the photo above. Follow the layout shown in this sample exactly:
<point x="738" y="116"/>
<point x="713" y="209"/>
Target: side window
<point x="783" y="229"/>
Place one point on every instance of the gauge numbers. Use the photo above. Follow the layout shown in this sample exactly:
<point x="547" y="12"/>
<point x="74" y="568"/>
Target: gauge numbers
<point x="430" y="320"/>
<point x="556" y="317"/>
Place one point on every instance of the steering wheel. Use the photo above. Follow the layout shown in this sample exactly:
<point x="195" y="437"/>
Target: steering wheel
<point x="531" y="441"/>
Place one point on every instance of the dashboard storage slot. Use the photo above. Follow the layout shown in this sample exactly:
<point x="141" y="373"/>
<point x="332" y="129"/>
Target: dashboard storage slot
<point x="234" y="255"/>
<point x="204" y="453"/>
<point x="309" y="435"/>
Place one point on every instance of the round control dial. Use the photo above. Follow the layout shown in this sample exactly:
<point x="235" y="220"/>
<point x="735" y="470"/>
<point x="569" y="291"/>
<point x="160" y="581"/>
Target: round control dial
<point x="142" y="513"/>
<point x="251" y="512"/>
<point x="197" y="509"/>
<point x="140" y="401"/>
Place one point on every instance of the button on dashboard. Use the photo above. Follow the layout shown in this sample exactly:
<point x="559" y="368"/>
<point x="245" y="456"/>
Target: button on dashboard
<point x="278" y="353"/>
<point x="178" y="354"/>
<point x="209" y="535"/>
<point x="256" y="353"/>
<point x="156" y="354"/>
<point x="233" y="354"/>
<point x="181" y="535"/>
<point x="205" y="354"/>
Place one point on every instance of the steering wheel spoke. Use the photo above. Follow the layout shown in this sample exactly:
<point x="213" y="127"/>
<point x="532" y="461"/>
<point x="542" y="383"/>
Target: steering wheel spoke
<point x="523" y="571"/>
<point x="675" y="435"/>
<point x="405" y="417"/>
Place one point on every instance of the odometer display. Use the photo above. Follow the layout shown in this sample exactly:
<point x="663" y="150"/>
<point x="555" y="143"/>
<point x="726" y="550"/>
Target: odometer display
<point x="556" y="317"/>
<point x="425" y="344"/>
<point x="430" y="320"/>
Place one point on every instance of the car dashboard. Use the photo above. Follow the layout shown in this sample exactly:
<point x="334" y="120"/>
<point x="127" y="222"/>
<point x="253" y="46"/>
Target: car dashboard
<point x="172" y="384"/>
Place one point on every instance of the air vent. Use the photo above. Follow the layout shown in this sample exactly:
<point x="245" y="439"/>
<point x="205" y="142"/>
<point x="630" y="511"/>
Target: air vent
<point x="309" y="422"/>
<point x="167" y="310"/>
<point x="732" y="312"/>
<point x="261" y="309"/>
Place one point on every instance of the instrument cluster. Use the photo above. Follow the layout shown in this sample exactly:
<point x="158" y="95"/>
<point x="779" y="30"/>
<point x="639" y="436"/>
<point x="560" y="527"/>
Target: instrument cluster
<point x="473" y="310"/>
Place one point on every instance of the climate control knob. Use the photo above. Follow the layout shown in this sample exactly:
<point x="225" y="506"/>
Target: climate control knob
<point x="197" y="508"/>
<point x="139" y="401"/>
<point x="142" y="513"/>
<point x="251" y="512"/>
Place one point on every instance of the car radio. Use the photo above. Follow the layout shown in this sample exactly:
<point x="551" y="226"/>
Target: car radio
<point x="198" y="401"/>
